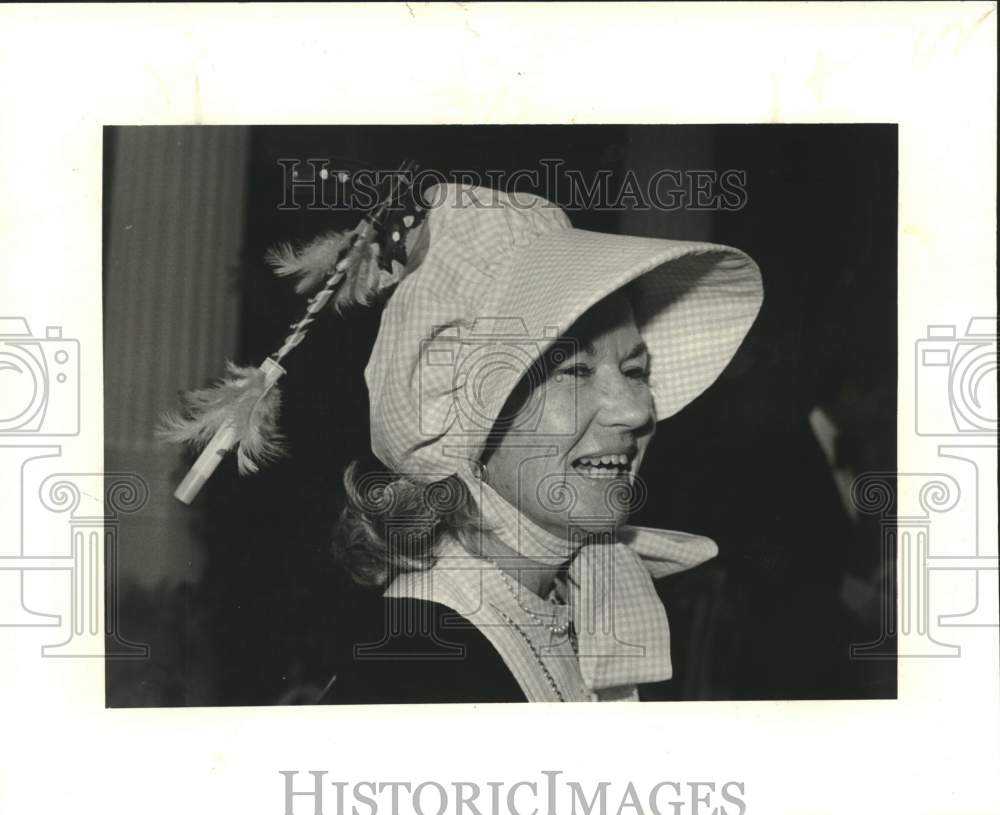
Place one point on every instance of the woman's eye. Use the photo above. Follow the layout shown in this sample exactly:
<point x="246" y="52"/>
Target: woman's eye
<point x="576" y="371"/>
<point x="638" y="374"/>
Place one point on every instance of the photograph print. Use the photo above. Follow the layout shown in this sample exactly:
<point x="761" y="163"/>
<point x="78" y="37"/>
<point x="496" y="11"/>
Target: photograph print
<point x="472" y="414"/>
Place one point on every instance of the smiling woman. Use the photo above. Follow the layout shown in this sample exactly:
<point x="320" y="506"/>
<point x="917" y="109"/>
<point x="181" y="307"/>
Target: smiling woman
<point x="516" y="381"/>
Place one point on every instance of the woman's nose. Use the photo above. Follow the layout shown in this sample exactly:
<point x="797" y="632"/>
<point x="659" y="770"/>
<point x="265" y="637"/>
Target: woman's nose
<point x="625" y="403"/>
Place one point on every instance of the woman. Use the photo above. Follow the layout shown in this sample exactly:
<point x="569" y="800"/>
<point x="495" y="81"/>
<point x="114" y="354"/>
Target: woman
<point x="515" y="384"/>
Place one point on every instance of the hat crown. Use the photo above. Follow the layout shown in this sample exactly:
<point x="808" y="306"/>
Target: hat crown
<point x="475" y="232"/>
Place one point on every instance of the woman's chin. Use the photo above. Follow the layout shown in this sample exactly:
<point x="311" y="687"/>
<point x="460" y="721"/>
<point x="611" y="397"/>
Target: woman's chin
<point x="584" y="527"/>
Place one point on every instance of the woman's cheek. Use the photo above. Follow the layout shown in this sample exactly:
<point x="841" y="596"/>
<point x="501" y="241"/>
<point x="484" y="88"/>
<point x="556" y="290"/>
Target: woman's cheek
<point x="562" y="412"/>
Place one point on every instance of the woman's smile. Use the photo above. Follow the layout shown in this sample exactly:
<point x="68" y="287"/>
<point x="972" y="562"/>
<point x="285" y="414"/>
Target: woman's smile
<point x="605" y="465"/>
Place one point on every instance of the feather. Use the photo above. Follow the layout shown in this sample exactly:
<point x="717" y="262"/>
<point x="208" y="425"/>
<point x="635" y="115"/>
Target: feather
<point x="362" y="277"/>
<point x="367" y="280"/>
<point x="356" y="275"/>
<point x="313" y="263"/>
<point x="244" y="400"/>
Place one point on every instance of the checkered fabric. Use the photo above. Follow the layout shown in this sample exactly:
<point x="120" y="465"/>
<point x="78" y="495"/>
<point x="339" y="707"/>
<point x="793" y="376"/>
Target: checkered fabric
<point x="504" y="276"/>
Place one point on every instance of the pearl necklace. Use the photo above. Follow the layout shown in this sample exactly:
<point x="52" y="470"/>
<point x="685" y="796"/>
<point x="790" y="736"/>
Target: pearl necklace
<point x="555" y="628"/>
<point x="531" y="646"/>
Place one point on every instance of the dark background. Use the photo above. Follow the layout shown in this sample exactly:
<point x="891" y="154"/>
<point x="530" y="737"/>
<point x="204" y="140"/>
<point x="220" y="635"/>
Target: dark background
<point x="267" y="615"/>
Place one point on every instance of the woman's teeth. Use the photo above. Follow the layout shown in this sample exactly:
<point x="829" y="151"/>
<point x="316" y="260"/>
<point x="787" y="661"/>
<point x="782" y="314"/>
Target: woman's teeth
<point x="608" y="466"/>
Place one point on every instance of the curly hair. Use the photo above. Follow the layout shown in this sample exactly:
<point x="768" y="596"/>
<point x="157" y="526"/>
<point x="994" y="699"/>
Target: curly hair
<point x="392" y="523"/>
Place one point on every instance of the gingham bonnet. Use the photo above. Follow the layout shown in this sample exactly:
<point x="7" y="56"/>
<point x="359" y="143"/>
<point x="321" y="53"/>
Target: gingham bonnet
<point x="503" y="276"/>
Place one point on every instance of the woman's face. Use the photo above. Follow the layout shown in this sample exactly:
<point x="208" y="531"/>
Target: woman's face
<point x="591" y="419"/>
